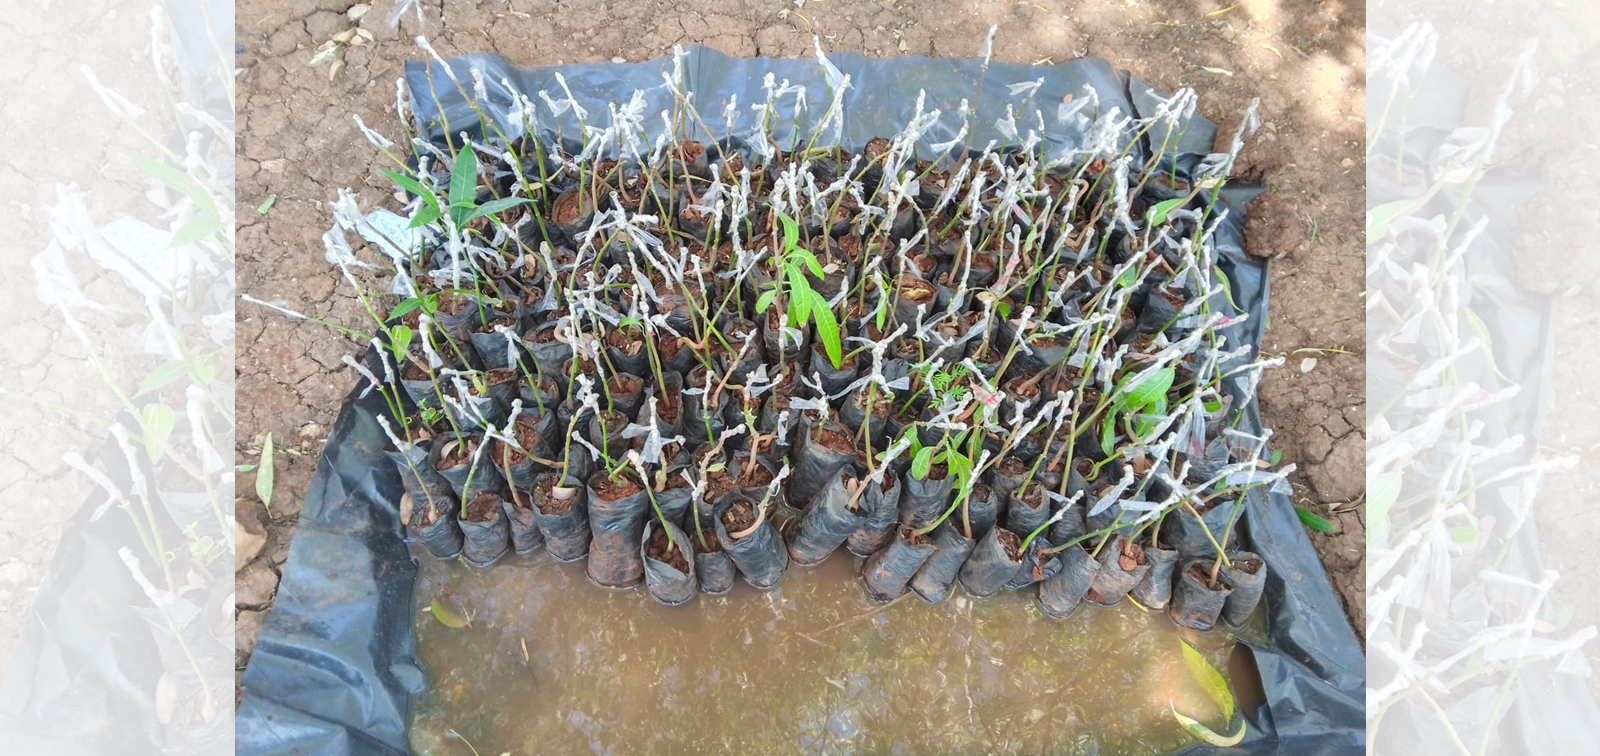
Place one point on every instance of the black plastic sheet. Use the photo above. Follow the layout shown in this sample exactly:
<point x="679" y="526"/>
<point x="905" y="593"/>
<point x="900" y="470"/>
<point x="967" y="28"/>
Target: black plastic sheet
<point x="335" y="668"/>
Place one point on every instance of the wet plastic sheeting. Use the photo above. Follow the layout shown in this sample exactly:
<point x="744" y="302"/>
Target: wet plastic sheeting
<point x="335" y="667"/>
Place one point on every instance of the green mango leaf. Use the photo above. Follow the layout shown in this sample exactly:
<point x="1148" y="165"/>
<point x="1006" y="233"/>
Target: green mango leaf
<point x="163" y="375"/>
<point x="827" y="330"/>
<point x="1108" y="434"/>
<point x="180" y="182"/>
<point x="1205" y="734"/>
<point x="809" y="259"/>
<point x="156" y="422"/>
<point x="1481" y="330"/>
<point x="1150" y="388"/>
<point x="791" y="232"/>
<point x="1275" y="457"/>
<point x="495" y="207"/>
<point x="1227" y="286"/>
<point x="1379" y="218"/>
<point x="922" y="463"/>
<point x="799" y="299"/>
<point x="264" y="474"/>
<point x="464" y="177"/>
<point x="198" y="227"/>
<point x="425" y="216"/>
<point x="1210" y="680"/>
<point x="400" y="340"/>
<point x="407" y="306"/>
<point x="1383" y="490"/>
<point x="1128" y="277"/>
<point x="1158" y="213"/>
<point x="765" y="300"/>
<point x="448" y="617"/>
<point x="1311" y="520"/>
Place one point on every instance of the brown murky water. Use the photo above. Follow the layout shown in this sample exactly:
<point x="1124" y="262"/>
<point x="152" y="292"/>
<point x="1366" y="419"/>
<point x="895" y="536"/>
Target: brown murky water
<point x="770" y="673"/>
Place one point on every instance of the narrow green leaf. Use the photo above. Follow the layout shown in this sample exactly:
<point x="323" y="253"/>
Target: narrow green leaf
<point x="765" y="300"/>
<point x="1383" y="490"/>
<point x="791" y="232"/>
<point x="922" y="463"/>
<point x="496" y="206"/>
<point x="204" y="369"/>
<point x="155" y="423"/>
<point x="1108" y="434"/>
<point x="1379" y="218"/>
<point x="448" y="617"/>
<point x="244" y="468"/>
<point x="405" y="307"/>
<point x="1210" y="680"/>
<point x="1227" y="287"/>
<point x="163" y="375"/>
<point x="1481" y="330"/>
<point x="827" y="330"/>
<point x="464" y="176"/>
<point x="400" y="340"/>
<point x="1205" y="734"/>
<point x="425" y="216"/>
<point x="264" y="474"/>
<point x="1158" y="213"/>
<point x="1152" y="386"/>
<point x="180" y="182"/>
<point x="406" y="182"/>
<point x="809" y="259"/>
<point x="198" y="227"/>
<point x="266" y="206"/>
<point x="799" y="299"/>
<point x="1311" y="520"/>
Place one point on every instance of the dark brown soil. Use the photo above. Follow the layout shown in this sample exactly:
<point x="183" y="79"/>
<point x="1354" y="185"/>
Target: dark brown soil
<point x="911" y="537"/>
<point x="1011" y="544"/>
<point x="545" y="499"/>
<point x="569" y="207"/>
<point x="835" y="439"/>
<point x="607" y="488"/>
<point x="753" y="476"/>
<point x="459" y="453"/>
<point x="498" y="376"/>
<point x="1203" y="574"/>
<point x="706" y="542"/>
<point x="1131" y="557"/>
<point x="739" y="517"/>
<point x="483" y="508"/>
<point x="690" y="151"/>
<point x="541" y="335"/>
<point x="661" y="549"/>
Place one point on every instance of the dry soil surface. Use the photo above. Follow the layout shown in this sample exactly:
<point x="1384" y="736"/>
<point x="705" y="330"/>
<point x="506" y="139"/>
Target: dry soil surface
<point x="1304" y="59"/>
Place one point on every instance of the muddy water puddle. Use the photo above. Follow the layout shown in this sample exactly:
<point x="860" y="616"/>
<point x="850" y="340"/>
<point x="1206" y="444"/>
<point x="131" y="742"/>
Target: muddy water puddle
<point x="550" y="664"/>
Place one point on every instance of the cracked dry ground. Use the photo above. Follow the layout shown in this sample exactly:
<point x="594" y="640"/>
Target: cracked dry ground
<point x="1305" y="60"/>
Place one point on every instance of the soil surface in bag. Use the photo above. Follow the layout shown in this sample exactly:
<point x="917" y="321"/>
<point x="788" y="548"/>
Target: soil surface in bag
<point x="964" y="676"/>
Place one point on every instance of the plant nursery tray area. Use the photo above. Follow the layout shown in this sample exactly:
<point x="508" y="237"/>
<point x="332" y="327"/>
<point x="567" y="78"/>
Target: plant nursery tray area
<point x="381" y="640"/>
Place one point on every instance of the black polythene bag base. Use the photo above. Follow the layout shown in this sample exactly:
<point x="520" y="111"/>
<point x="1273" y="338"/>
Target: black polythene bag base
<point x="317" y="686"/>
